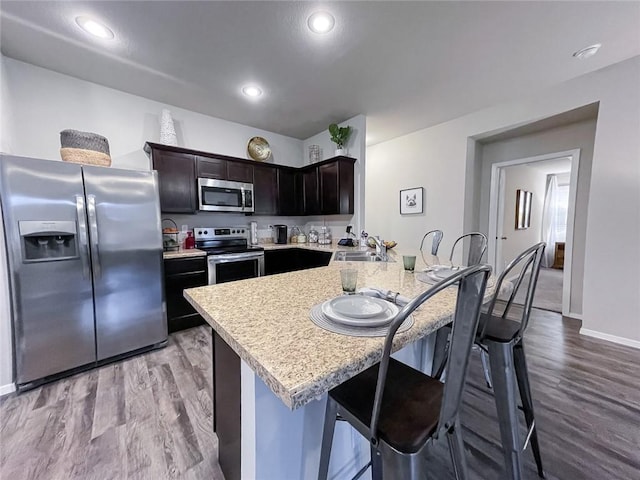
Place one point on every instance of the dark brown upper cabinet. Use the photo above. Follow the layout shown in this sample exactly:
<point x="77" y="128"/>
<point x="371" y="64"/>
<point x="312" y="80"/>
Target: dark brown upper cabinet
<point x="336" y="186"/>
<point x="176" y="181"/>
<point x="289" y="192"/>
<point x="239" y="172"/>
<point x="212" y="168"/>
<point x="323" y="188"/>
<point x="310" y="191"/>
<point x="265" y="190"/>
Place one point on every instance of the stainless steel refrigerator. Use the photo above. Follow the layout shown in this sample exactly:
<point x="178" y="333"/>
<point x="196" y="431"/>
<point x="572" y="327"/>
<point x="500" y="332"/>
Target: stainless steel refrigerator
<point x="84" y="248"/>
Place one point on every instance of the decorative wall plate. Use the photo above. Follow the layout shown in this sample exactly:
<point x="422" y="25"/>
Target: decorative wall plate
<point x="258" y="149"/>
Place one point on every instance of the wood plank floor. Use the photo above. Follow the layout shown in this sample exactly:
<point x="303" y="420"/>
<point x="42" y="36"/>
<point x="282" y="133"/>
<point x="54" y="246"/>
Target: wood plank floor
<point x="150" y="417"/>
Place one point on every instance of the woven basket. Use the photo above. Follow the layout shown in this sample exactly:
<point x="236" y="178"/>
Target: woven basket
<point x="84" y="147"/>
<point x="85" y="157"/>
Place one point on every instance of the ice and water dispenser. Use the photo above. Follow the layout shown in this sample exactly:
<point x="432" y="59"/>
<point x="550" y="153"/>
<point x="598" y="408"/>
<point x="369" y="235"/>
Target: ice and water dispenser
<point x="48" y="240"/>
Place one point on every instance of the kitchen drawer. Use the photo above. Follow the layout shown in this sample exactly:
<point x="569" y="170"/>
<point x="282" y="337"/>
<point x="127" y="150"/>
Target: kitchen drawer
<point x="185" y="265"/>
<point x="185" y="280"/>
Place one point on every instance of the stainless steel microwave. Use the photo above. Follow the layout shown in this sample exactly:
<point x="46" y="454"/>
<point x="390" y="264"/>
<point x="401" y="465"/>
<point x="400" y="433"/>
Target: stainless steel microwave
<point x="224" y="196"/>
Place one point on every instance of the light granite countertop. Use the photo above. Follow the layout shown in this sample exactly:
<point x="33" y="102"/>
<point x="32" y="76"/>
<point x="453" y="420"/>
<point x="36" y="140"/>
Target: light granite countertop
<point x="192" y="252"/>
<point x="266" y="322"/>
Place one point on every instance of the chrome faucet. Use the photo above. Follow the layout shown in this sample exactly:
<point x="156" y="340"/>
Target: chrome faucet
<point x="381" y="249"/>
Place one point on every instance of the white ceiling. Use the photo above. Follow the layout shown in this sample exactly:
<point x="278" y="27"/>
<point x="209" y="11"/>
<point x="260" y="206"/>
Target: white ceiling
<point x="405" y="65"/>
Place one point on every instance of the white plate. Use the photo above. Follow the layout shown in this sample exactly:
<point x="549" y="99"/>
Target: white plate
<point x="358" y="306"/>
<point x="439" y="275"/>
<point x="444" y="272"/>
<point x="382" y="319"/>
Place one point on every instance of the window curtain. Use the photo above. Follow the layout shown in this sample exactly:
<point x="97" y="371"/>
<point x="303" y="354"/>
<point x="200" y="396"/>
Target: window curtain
<point x="549" y="215"/>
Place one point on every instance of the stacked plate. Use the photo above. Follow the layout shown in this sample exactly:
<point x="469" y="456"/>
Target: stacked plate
<point x="437" y="273"/>
<point x="360" y="311"/>
<point x="357" y="315"/>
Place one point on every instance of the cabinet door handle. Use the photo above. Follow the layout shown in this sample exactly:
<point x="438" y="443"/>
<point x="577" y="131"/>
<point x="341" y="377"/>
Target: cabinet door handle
<point x="82" y="235"/>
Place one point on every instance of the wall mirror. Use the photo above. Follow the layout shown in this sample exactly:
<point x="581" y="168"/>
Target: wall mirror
<point x="523" y="209"/>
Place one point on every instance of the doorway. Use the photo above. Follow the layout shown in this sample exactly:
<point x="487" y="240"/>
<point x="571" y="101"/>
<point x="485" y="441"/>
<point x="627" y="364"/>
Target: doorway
<point x="551" y="182"/>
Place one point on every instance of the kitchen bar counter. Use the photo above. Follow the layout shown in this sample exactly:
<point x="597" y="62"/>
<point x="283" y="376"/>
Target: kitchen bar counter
<point x="266" y="322"/>
<point x="273" y="366"/>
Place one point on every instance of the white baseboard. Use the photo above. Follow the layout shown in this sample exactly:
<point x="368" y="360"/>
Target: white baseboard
<point x="6" y="389"/>
<point x="577" y="316"/>
<point x="611" y="338"/>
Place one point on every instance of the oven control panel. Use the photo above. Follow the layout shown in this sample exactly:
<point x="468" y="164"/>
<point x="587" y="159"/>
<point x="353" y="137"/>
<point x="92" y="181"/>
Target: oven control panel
<point x="220" y="233"/>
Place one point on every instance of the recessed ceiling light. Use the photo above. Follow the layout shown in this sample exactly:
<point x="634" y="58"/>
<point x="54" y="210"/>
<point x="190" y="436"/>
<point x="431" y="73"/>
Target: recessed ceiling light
<point x="94" y="27"/>
<point x="252" y="91"/>
<point x="587" y="52"/>
<point x="321" y="22"/>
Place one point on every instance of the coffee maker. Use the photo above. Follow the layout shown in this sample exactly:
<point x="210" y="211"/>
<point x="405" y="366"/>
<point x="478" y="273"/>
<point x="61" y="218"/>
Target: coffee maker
<point x="280" y="234"/>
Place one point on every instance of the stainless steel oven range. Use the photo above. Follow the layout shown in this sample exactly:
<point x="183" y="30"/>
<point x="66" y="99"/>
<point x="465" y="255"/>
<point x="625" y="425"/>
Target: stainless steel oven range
<point x="229" y="256"/>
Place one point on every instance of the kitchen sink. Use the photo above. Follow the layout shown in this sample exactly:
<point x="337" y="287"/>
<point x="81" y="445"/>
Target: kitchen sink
<point x="349" y="256"/>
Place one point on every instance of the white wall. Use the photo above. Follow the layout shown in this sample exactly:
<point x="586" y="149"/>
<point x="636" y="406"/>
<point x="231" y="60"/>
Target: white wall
<point x="521" y="177"/>
<point x="45" y="102"/>
<point x="567" y="137"/>
<point x="437" y="158"/>
<point x="432" y="158"/>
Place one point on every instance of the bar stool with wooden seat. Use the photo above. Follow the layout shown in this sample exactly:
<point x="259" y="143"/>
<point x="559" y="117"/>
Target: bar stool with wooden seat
<point x="502" y="338"/>
<point x="400" y="409"/>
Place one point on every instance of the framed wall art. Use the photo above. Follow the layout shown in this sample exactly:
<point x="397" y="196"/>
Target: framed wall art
<point x="523" y="209"/>
<point x="411" y="201"/>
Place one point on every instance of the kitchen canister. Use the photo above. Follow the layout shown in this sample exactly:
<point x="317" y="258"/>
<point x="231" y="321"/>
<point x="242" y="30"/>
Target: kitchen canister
<point x="84" y="147"/>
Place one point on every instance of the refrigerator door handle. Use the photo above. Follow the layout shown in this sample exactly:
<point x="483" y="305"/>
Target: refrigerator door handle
<point x="93" y="236"/>
<point x="82" y="236"/>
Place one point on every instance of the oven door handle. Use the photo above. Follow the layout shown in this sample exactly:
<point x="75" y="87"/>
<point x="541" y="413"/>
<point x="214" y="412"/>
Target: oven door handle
<point x="227" y="258"/>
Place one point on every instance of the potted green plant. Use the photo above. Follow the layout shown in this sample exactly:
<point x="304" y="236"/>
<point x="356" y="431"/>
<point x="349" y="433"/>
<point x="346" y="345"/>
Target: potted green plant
<point x="340" y="136"/>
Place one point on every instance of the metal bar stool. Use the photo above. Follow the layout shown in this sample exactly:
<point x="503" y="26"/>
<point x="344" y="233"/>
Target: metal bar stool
<point x="477" y="247"/>
<point x="435" y="241"/>
<point x="502" y="338"/>
<point x="400" y="409"/>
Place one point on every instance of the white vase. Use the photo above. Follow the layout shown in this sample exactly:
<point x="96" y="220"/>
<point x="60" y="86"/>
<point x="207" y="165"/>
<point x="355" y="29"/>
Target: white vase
<point x="167" y="130"/>
<point x="341" y="151"/>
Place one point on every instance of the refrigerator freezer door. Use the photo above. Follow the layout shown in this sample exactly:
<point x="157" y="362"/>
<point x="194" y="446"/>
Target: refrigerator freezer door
<point x="126" y="252"/>
<point x="51" y="299"/>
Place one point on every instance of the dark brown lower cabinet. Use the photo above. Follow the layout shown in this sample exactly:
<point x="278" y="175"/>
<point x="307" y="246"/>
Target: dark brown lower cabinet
<point x="180" y="274"/>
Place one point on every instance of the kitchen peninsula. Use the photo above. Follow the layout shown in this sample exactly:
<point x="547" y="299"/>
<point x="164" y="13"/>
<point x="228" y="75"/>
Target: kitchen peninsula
<point x="273" y="366"/>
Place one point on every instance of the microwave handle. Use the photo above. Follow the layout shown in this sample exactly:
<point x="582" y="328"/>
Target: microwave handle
<point x="243" y="199"/>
